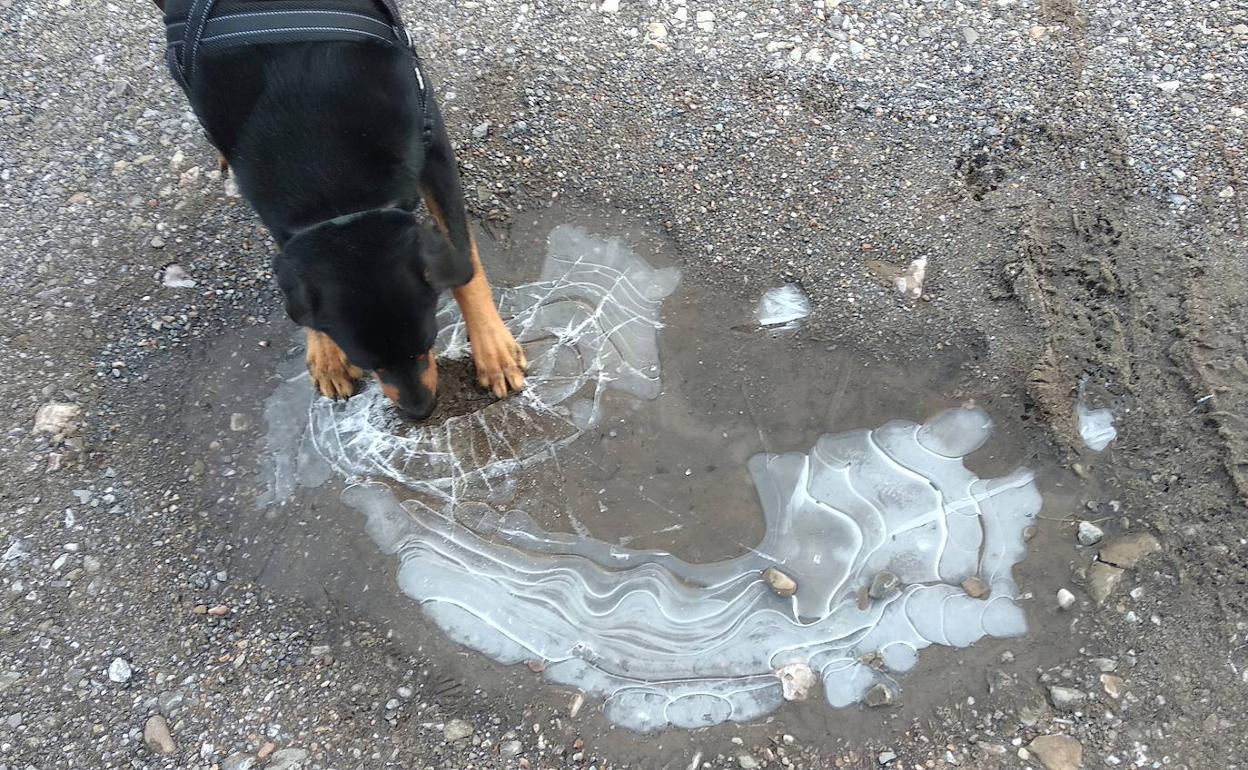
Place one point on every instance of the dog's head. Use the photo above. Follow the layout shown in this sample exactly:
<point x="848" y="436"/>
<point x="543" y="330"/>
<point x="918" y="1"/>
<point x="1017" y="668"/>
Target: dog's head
<point x="371" y="281"/>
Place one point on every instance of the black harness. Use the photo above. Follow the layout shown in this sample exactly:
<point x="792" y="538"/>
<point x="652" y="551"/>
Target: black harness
<point x="190" y="29"/>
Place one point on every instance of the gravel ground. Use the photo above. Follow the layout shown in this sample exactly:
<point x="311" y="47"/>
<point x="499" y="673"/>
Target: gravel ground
<point x="1075" y="173"/>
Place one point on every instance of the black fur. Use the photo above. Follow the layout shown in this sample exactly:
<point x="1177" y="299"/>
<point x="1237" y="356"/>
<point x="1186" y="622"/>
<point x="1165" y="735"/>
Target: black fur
<point x="327" y="142"/>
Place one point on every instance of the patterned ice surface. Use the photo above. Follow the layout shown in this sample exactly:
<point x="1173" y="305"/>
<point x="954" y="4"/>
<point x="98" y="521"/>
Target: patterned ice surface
<point x="588" y="325"/>
<point x="782" y="306"/>
<point x="668" y="643"/>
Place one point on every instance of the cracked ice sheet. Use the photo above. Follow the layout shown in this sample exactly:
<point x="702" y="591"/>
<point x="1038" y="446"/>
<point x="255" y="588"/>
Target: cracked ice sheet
<point x="665" y="642"/>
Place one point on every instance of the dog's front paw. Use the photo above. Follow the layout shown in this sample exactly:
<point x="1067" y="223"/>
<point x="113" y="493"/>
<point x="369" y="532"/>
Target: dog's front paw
<point x="499" y="359"/>
<point x="331" y="372"/>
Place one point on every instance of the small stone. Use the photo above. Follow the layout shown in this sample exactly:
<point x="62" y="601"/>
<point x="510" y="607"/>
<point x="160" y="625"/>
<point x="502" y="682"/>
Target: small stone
<point x="1105" y="664"/>
<point x="510" y="748"/>
<point x="796" y="681"/>
<point x="656" y="32"/>
<point x="1066" y="698"/>
<point x="1103" y="580"/>
<point x="1057" y="752"/>
<point x="975" y="587"/>
<point x="780" y="583"/>
<point x="1127" y="551"/>
<point x="8" y="679"/>
<point x="457" y="730"/>
<point x="157" y="242"/>
<point x="970" y="35"/>
<point x="288" y="759"/>
<point x="1112" y="684"/>
<point x="610" y="6"/>
<point x="856" y="48"/>
<point x="1227" y="193"/>
<point x="578" y="702"/>
<point x="118" y="89"/>
<point x="1170" y="86"/>
<point x="239" y="422"/>
<point x="1065" y="599"/>
<point x="705" y="21"/>
<point x="119" y="671"/>
<point x="879" y="696"/>
<point x="884" y="585"/>
<point x="1240" y="29"/>
<point x="481" y="130"/>
<point x="268" y="748"/>
<point x="239" y="760"/>
<point x="1089" y="533"/>
<point x="58" y="419"/>
<point x="156" y="735"/>
<point x="884" y="757"/>
<point x="746" y="761"/>
<point x="175" y="277"/>
<point x="1038" y="31"/>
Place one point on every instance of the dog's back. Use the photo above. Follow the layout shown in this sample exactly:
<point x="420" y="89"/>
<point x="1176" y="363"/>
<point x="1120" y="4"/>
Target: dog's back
<point x="313" y="130"/>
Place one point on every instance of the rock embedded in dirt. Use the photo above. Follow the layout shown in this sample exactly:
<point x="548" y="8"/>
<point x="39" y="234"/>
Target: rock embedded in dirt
<point x="1089" y="533"/>
<point x="239" y="760"/>
<point x="780" y="583"/>
<point x="1065" y="599"/>
<point x="1112" y="684"/>
<point x="1066" y="698"/>
<point x="1125" y="552"/>
<point x="156" y="735"/>
<point x="59" y="420"/>
<point x="288" y="759"/>
<point x="1058" y="752"/>
<point x="457" y="730"/>
<point x="1103" y="580"/>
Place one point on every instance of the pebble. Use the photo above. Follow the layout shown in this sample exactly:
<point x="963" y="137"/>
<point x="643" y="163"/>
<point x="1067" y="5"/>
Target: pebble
<point x="457" y="730"/>
<point x="239" y="422"/>
<point x="856" y="48"/>
<point x="705" y="21"/>
<point x="119" y="671"/>
<point x="481" y="130"/>
<point x="884" y="757"/>
<point x="970" y="35"/>
<point x="796" y="681"/>
<point x="1105" y="664"/>
<point x="156" y="735"/>
<point x="879" y="696"/>
<point x="884" y="585"/>
<point x="287" y="759"/>
<point x="746" y="761"/>
<point x="1057" y="752"/>
<point x="176" y="277"/>
<point x="510" y="748"/>
<point x="578" y="701"/>
<point x="1112" y="684"/>
<point x="1089" y="533"/>
<point x="610" y="6"/>
<point x="268" y="748"/>
<point x="1066" y="698"/>
<point x="780" y="583"/>
<point x="1065" y="599"/>
<point x="239" y="760"/>
<point x="976" y="588"/>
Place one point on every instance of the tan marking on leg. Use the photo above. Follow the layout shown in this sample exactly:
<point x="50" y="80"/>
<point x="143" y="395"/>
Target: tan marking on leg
<point x="332" y="374"/>
<point x="429" y="377"/>
<point x="223" y="165"/>
<point x="499" y="359"/>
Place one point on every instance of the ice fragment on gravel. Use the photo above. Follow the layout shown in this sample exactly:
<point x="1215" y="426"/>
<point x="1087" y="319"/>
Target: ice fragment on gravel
<point x="782" y="305"/>
<point x="177" y="278"/>
<point x="1096" y="426"/>
<point x="910" y="282"/>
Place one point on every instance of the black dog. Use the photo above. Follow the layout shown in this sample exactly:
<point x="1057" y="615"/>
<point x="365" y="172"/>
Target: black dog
<point x="321" y="110"/>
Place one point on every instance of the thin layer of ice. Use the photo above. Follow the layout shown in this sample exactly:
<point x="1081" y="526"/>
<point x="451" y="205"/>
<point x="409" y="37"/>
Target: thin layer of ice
<point x="1096" y="426"/>
<point x="782" y="306"/>
<point x="665" y="642"/>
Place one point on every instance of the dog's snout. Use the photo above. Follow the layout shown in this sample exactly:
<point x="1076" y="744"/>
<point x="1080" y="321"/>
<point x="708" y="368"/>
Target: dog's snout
<point x="414" y="389"/>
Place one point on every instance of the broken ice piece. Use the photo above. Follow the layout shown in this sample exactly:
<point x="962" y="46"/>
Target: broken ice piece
<point x="910" y="282"/>
<point x="1096" y="426"/>
<point x="177" y="278"/>
<point x="782" y="305"/>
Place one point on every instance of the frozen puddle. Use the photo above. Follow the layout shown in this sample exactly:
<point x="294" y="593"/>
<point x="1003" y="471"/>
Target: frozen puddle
<point x="879" y="529"/>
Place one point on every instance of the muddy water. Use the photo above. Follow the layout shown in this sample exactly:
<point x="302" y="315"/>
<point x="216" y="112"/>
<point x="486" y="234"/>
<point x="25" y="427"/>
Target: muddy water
<point x="668" y="474"/>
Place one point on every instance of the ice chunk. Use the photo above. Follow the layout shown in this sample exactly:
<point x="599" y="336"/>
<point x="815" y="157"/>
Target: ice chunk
<point x="782" y="306"/>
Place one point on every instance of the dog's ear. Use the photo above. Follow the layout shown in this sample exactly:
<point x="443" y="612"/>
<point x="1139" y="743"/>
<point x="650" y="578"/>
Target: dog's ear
<point x="444" y="267"/>
<point x="300" y="295"/>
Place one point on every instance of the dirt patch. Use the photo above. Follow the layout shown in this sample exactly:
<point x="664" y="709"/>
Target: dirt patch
<point x="458" y="391"/>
